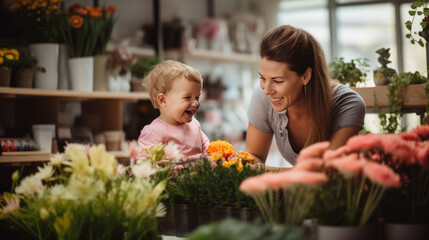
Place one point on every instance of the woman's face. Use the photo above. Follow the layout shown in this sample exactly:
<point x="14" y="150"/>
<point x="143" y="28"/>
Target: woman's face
<point x="283" y="86"/>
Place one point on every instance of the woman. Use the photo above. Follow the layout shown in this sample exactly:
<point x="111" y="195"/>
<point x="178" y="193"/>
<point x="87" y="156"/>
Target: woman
<point x="297" y="102"/>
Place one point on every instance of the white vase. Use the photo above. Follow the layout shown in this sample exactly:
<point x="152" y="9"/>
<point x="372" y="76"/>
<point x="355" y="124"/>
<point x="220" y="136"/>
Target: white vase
<point x="63" y="68"/>
<point x="82" y="73"/>
<point x="47" y="56"/>
<point x="120" y="83"/>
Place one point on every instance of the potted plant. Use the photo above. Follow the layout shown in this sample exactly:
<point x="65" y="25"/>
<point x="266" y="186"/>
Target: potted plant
<point x="119" y="62"/>
<point x="139" y="71"/>
<point x="24" y="71"/>
<point x="382" y="74"/>
<point x="349" y="73"/>
<point x="8" y="59"/>
<point x="418" y="8"/>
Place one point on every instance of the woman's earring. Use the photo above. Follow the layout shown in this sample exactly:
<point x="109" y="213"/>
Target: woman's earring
<point x="305" y="90"/>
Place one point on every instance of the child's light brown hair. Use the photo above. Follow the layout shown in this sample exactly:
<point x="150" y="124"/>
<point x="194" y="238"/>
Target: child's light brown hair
<point x="161" y="77"/>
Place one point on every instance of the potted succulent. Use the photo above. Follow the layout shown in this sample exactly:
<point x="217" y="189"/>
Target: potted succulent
<point x="349" y="73"/>
<point x="383" y="73"/>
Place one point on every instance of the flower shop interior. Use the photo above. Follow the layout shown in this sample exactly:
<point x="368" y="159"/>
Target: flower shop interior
<point x="73" y="104"/>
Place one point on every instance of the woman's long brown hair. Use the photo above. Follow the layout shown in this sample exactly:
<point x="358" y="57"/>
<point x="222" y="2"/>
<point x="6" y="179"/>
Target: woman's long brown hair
<point x="300" y="51"/>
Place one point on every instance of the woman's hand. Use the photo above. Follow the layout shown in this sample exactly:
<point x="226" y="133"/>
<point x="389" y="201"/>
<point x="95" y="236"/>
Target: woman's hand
<point x="258" y="143"/>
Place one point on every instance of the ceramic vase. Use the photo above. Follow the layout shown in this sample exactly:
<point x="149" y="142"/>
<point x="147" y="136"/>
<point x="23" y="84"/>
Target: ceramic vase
<point x="47" y="55"/>
<point x="368" y="232"/>
<point x="63" y="68"/>
<point x="396" y="231"/>
<point x="101" y="73"/>
<point x="82" y="73"/>
<point x="120" y="83"/>
<point x="5" y="77"/>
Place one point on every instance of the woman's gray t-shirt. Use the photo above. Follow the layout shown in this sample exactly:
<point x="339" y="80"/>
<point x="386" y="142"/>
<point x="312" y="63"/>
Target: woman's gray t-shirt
<point x="348" y="110"/>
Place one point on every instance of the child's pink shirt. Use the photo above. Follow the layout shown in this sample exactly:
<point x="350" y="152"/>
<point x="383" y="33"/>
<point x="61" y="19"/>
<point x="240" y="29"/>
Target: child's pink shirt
<point x="191" y="140"/>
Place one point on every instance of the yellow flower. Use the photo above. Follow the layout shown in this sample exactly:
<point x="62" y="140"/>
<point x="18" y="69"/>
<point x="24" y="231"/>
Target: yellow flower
<point x="1" y="60"/>
<point x="216" y="156"/>
<point x="245" y="156"/>
<point x="379" y="75"/>
<point x="226" y="164"/>
<point x="239" y="166"/>
<point x="9" y="56"/>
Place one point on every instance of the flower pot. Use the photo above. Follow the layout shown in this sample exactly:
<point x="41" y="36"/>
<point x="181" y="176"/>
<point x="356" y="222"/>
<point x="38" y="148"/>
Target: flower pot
<point x="120" y="83"/>
<point x="137" y="85"/>
<point x="185" y="219"/>
<point x="380" y="79"/>
<point x="23" y="77"/>
<point x="249" y="214"/>
<point x="395" y="231"/>
<point x="206" y="214"/>
<point x="101" y="73"/>
<point x="166" y="224"/>
<point x="324" y="232"/>
<point x="63" y="68"/>
<point x="5" y="77"/>
<point x="82" y="73"/>
<point x="223" y="212"/>
<point x="47" y="55"/>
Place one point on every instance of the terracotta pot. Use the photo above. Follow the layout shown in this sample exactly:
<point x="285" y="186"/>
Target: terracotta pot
<point x="5" y="77"/>
<point x="23" y="77"/>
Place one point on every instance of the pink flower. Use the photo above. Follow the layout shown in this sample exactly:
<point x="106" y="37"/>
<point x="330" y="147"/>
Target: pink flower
<point x="12" y="204"/>
<point x="172" y="151"/>
<point x="310" y="164"/>
<point x="422" y="131"/>
<point x="381" y="174"/>
<point x="422" y="154"/>
<point x="401" y="149"/>
<point x="332" y="154"/>
<point x="409" y="136"/>
<point x="367" y="141"/>
<point x="313" y="151"/>
<point x="348" y="165"/>
<point x="253" y="185"/>
<point x="134" y="149"/>
<point x="297" y="176"/>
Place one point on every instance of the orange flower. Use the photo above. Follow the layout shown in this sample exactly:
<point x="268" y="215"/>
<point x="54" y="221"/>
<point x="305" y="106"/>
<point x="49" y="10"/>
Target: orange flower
<point x="95" y="13"/>
<point x="82" y="12"/>
<point x="221" y="146"/>
<point x="15" y="7"/>
<point x="76" y="21"/>
<point x="1" y="60"/>
<point x="111" y="9"/>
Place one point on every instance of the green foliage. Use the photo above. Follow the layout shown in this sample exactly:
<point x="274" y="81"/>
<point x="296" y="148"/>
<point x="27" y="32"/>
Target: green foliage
<point x="107" y="23"/>
<point x="143" y="66"/>
<point x="351" y="72"/>
<point x="390" y="122"/>
<point x="418" y="8"/>
<point x="205" y="185"/>
<point x="231" y="229"/>
<point x="28" y="61"/>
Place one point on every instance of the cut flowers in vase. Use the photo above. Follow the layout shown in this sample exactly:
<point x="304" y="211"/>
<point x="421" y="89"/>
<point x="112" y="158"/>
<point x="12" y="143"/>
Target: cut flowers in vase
<point x="120" y="61"/>
<point x="38" y="19"/>
<point x="78" y="193"/>
<point x="80" y="29"/>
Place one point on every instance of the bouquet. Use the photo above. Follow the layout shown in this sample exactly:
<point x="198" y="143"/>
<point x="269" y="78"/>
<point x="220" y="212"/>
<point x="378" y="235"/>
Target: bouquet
<point x="80" y="29"/>
<point x="8" y="58"/>
<point x="408" y="155"/>
<point x="107" y="21"/>
<point x="38" y="19"/>
<point x="84" y="194"/>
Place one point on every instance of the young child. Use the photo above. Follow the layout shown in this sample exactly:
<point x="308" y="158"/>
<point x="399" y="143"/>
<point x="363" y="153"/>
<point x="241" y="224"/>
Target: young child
<point x="175" y="90"/>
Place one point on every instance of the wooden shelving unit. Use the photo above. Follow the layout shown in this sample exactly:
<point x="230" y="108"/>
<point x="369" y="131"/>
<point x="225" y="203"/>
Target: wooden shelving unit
<point x="413" y="96"/>
<point x="211" y="55"/>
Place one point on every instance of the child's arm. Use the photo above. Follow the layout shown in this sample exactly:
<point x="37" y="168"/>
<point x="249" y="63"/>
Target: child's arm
<point x="149" y="137"/>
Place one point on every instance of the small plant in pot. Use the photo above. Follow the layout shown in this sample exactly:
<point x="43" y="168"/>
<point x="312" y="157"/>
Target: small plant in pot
<point x="383" y="73"/>
<point x="24" y="70"/>
<point x="139" y="71"/>
<point x="349" y="73"/>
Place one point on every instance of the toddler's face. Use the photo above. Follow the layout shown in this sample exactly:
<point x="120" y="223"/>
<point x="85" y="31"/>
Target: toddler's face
<point x="181" y="102"/>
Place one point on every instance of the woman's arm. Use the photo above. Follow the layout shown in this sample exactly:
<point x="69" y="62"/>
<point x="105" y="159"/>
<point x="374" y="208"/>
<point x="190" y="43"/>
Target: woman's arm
<point x="340" y="137"/>
<point x="258" y="143"/>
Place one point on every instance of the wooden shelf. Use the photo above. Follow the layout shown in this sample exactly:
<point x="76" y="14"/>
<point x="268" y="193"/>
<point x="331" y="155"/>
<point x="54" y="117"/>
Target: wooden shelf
<point x="142" y="52"/>
<point x="11" y="92"/>
<point x="413" y="96"/>
<point x="213" y="55"/>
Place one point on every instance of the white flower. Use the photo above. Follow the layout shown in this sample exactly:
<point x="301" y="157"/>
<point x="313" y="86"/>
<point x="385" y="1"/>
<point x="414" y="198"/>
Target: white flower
<point x="120" y="169"/>
<point x="45" y="172"/>
<point x="143" y="170"/>
<point x="30" y="185"/>
<point x="172" y="151"/>
<point x="57" y="159"/>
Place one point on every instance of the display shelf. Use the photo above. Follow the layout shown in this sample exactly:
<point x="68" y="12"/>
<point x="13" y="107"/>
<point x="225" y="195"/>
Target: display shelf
<point x="142" y="51"/>
<point x="39" y="156"/>
<point x="11" y="92"/>
<point x="212" y="55"/>
<point x="413" y="96"/>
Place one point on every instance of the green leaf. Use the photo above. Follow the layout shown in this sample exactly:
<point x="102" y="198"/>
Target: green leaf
<point x="421" y="43"/>
<point x="419" y="13"/>
<point x="426" y="11"/>
<point x="408" y="35"/>
<point x="411" y="12"/>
